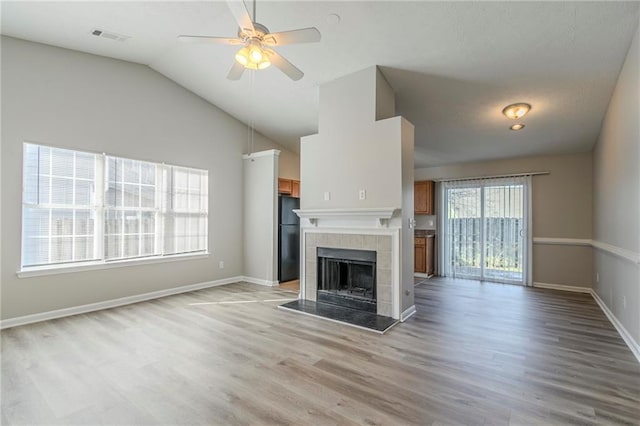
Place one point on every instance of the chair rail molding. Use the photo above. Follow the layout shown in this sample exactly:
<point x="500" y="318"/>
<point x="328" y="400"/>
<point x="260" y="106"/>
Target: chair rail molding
<point x="623" y="253"/>
<point x="562" y="241"/>
<point x="629" y="255"/>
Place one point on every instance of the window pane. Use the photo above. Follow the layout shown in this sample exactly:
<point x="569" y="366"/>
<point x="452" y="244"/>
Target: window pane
<point x="30" y="170"/>
<point x="43" y="189"/>
<point x="113" y="195"/>
<point x="44" y="160"/>
<point x="85" y="165"/>
<point x="148" y="245"/>
<point x="61" y="222"/>
<point x="147" y="173"/>
<point x="112" y="222"/>
<point x="62" y="162"/>
<point x="131" y="222"/>
<point x="112" y="249"/>
<point x="61" y="249"/>
<point x="130" y="246"/>
<point x="148" y="222"/>
<point x="84" y="192"/>
<point x="83" y="248"/>
<point x="131" y="171"/>
<point x="131" y="195"/>
<point x="84" y="222"/>
<point x="61" y="191"/>
<point x="148" y="196"/>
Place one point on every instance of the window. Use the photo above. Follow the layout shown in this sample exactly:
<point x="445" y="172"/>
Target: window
<point x="83" y="208"/>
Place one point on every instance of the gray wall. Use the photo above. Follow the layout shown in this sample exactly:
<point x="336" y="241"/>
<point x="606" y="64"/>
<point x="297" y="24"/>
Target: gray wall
<point x="561" y="209"/>
<point x="352" y="151"/>
<point x="616" y="207"/>
<point x="80" y="101"/>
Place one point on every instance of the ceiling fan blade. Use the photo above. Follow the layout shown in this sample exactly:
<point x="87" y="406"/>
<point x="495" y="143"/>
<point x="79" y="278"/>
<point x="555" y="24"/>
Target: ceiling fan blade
<point x="236" y="71"/>
<point x="208" y="39"/>
<point x="303" y="35"/>
<point x="241" y="15"/>
<point x="285" y="66"/>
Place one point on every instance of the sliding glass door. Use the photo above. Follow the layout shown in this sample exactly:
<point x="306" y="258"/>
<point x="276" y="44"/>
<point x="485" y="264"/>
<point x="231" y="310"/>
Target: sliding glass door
<point x="486" y="223"/>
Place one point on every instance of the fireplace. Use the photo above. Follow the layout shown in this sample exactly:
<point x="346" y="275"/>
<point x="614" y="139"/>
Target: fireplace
<point x="347" y="277"/>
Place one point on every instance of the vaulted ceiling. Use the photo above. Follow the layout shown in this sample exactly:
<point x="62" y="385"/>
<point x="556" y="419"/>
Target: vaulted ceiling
<point x="453" y="65"/>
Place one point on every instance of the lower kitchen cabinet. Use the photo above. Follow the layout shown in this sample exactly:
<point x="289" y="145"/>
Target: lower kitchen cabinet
<point x="430" y="255"/>
<point x="420" y="253"/>
<point x="424" y="254"/>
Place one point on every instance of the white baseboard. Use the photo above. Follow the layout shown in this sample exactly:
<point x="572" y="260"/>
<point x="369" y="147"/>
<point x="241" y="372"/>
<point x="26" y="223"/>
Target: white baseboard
<point x="260" y="281"/>
<point x="563" y="287"/>
<point x="75" y="310"/>
<point x="408" y="313"/>
<point x="626" y="336"/>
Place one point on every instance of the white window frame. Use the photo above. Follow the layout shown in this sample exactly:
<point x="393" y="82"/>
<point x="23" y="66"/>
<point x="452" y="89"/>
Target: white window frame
<point x="99" y="227"/>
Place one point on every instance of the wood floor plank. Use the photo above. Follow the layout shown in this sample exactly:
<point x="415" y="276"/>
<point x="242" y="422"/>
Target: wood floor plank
<point x="474" y="353"/>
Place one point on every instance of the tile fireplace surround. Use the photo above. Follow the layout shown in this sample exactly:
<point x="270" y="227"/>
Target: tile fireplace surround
<point x="382" y="244"/>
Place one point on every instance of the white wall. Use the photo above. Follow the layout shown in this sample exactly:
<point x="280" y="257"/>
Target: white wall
<point x="260" y="216"/>
<point x="352" y="151"/>
<point x="85" y="102"/>
<point x="561" y="209"/>
<point x="407" y="255"/>
<point x="616" y="206"/>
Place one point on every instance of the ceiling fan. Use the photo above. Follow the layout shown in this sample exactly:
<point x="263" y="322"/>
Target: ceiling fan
<point x="256" y="41"/>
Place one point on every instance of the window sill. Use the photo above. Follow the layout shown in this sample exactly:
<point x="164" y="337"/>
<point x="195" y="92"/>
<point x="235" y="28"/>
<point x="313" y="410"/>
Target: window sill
<point x="90" y="266"/>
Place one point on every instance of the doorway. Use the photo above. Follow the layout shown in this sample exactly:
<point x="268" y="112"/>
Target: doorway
<point x="486" y="226"/>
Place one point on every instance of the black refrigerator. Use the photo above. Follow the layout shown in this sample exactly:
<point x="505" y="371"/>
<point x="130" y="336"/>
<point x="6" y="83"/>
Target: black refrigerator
<point x="288" y="239"/>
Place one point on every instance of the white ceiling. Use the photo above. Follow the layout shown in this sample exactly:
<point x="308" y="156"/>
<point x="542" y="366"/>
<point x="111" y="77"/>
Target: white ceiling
<point x="453" y="65"/>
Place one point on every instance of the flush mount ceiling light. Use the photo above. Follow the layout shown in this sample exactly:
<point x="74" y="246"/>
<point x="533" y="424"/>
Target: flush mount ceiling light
<point x="518" y="126"/>
<point x="515" y="111"/>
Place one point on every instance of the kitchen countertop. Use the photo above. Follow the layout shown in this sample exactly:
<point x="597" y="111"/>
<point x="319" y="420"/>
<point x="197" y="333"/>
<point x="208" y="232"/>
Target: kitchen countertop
<point x="423" y="232"/>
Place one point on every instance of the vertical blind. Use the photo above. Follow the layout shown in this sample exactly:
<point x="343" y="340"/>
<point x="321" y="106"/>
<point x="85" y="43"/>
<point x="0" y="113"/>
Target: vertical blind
<point x="80" y="207"/>
<point x="486" y="229"/>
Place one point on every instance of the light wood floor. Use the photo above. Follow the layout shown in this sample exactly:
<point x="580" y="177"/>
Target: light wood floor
<point x="473" y="354"/>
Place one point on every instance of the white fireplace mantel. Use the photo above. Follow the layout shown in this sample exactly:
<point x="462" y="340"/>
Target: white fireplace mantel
<point x="382" y="215"/>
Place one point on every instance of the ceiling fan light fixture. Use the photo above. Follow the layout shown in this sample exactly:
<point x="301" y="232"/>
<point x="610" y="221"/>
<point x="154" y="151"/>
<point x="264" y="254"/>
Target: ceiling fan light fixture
<point x="242" y="56"/>
<point x="256" y="54"/>
<point x="253" y="57"/>
<point x="516" y="111"/>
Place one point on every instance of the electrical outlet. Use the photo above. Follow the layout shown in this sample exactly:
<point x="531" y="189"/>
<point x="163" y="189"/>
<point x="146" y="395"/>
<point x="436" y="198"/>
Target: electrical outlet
<point x="362" y="194"/>
<point x="221" y="264"/>
<point x="327" y="196"/>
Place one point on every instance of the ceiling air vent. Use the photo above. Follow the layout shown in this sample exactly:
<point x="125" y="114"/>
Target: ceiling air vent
<point x="110" y="35"/>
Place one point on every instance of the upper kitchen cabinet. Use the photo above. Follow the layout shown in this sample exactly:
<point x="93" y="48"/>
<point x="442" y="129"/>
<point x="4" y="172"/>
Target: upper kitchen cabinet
<point x="289" y="187"/>
<point x="423" y="197"/>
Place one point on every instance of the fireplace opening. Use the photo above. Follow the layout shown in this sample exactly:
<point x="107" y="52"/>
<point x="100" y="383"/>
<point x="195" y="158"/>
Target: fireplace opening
<point x="347" y="278"/>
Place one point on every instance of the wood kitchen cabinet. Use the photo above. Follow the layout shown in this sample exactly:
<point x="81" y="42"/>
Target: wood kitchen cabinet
<point x="423" y="197"/>
<point x="420" y="253"/>
<point x="430" y="255"/>
<point x="289" y="187"/>
<point x="295" y="188"/>
<point x="424" y="254"/>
